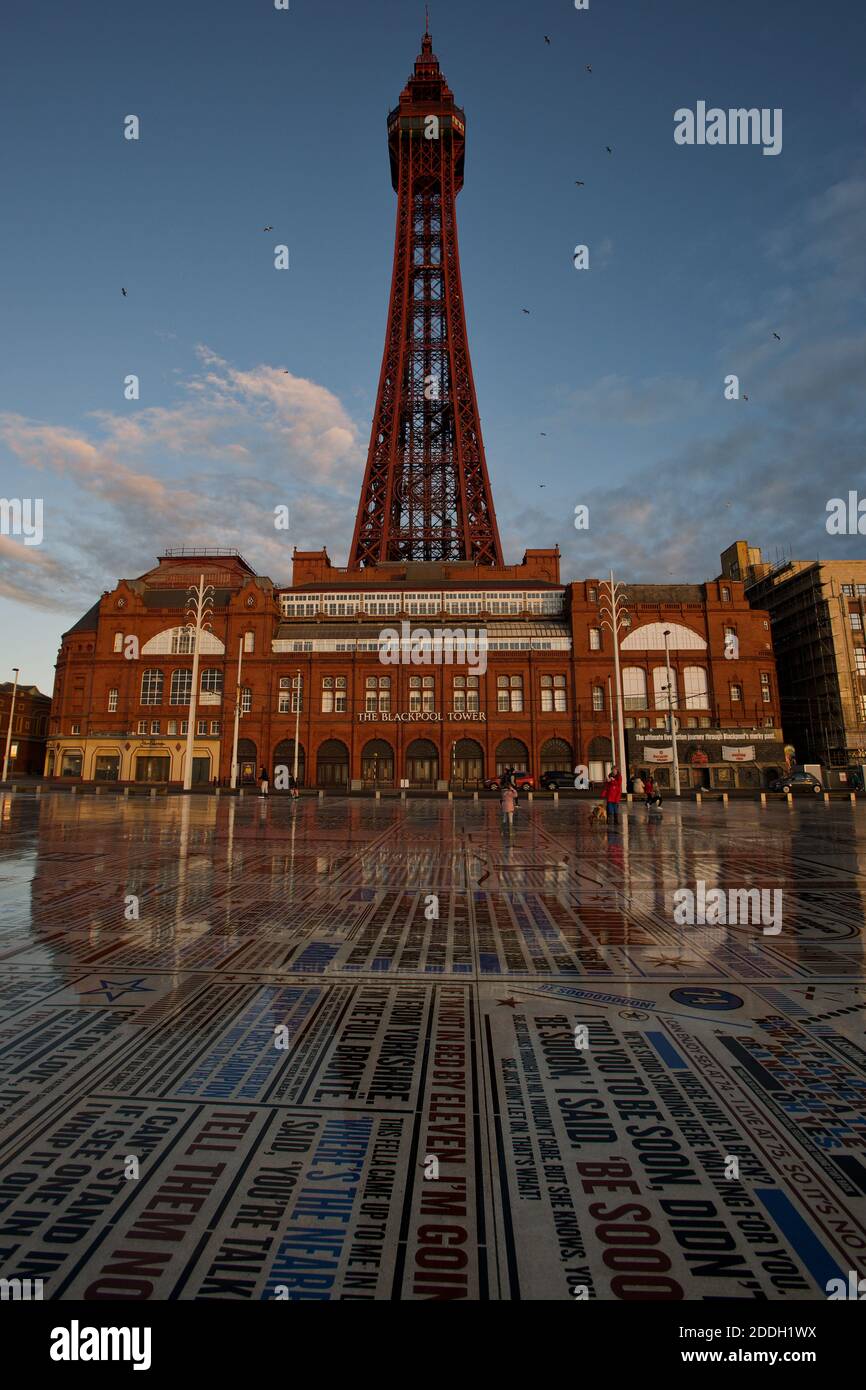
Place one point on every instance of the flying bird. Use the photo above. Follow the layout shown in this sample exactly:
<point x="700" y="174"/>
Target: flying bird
<point x="546" y="39"/>
<point x="745" y="398"/>
<point x="589" y="67"/>
<point x="123" y="291"/>
<point x="579" y="183"/>
<point x="544" y="436"/>
<point x="775" y="335"/>
<point x="608" y="148"/>
<point x="267" y="229"/>
<point x="526" y="311"/>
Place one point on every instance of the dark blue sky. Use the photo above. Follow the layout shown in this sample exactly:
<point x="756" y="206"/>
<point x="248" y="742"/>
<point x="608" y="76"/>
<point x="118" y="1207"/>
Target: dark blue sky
<point x="251" y="116"/>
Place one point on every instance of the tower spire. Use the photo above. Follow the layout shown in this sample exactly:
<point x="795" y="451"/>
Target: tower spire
<point x="426" y="493"/>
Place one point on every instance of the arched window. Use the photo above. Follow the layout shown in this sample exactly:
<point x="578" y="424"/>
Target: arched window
<point x="695" y="684"/>
<point x="181" y="687"/>
<point x="662" y="698"/>
<point x="151" y="687"/>
<point x="634" y="687"/>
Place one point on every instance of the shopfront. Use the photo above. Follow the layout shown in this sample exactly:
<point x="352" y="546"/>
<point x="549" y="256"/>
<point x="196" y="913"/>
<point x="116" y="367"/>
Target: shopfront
<point x="711" y="759"/>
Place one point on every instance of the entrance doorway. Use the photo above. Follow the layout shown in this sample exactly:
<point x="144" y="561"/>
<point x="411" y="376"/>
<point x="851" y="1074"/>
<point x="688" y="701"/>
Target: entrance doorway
<point x="468" y="764"/>
<point x="422" y="763"/>
<point x="284" y="757"/>
<point x="377" y="763"/>
<point x="512" y="753"/>
<point x="332" y="765"/>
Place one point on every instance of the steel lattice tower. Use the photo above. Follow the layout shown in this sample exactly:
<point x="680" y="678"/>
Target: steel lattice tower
<point x="426" y="493"/>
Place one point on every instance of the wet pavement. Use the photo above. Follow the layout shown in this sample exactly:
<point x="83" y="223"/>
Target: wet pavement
<point x="353" y="1049"/>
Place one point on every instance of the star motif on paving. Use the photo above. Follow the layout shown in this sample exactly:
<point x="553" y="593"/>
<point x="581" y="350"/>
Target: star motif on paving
<point x="121" y="987"/>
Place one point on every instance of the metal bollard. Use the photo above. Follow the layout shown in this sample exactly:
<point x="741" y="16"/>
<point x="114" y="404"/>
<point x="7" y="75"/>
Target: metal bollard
<point x="379" y="795"/>
<point x="474" y="796"/>
<point x="39" y="790"/>
<point x="97" y="791"/>
<point x="789" y="798"/>
<point x="529" y="796"/>
<point x="73" y="790"/>
<point x="629" y="797"/>
<point x="556" y="796"/>
<point x="450" y="796"/>
<point x="827" y="798"/>
<point x="403" y="794"/>
<point x="153" y="793"/>
<point x="853" y="797"/>
<point x="218" y="790"/>
<point x="725" y="800"/>
<point x="698" y="799"/>
<point x="126" y="791"/>
<point x="763" y="798"/>
<point x="321" y="795"/>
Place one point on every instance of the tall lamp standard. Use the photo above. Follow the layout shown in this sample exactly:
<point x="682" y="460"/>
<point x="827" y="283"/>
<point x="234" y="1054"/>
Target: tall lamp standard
<point x="199" y="609"/>
<point x="238" y="695"/>
<point x="610" y="712"/>
<point x="9" y="730"/>
<point x="298" y="698"/>
<point x="615" y="618"/>
<point x="671" y="723"/>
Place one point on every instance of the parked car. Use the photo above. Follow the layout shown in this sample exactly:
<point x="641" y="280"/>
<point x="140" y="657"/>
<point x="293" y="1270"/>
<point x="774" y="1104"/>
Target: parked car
<point x="797" y="781"/>
<point x="557" y="781"/>
<point x="522" y="781"/>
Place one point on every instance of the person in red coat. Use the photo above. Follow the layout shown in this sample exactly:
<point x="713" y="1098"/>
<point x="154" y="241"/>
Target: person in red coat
<point x="613" y="794"/>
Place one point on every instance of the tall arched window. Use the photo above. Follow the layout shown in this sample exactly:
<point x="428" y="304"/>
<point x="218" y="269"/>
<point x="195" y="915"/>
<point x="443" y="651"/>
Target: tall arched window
<point x="695" y="684"/>
<point x="151" y="687"/>
<point x="634" y="687"/>
<point x="181" y="687"/>
<point x="660" y="688"/>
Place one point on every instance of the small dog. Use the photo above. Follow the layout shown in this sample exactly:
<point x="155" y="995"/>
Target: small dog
<point x="598" y="815"/>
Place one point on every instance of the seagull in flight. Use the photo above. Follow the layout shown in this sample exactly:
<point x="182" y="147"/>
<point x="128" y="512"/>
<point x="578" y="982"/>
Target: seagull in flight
<point x="608" y="148"/>
<point x="579" y="183"/>
<point x="526" y="311"/>
<point x="775" y="335"/>
<point x="546" y="39"/>
<point x="123" y="292"/>
<point x="589" y="67"/>
<point x="745" y="398"/>
<point x="544" y="436"/>
<point x="267" y="229"/>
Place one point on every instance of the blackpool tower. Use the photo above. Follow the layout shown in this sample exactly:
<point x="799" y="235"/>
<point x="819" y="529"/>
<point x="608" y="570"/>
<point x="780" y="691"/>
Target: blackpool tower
<point x="426" y="492"/>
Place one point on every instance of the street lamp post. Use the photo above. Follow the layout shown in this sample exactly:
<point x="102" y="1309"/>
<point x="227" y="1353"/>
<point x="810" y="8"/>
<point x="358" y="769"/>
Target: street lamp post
<point x="238" y="694"/>
<point x="9" y="730"/>
<point x="199" y="607"/>
<point x="610" y="712"/>
<point x="673" y="732"/>
<point x="614" y="620"/>
<point x="297" y="725"/>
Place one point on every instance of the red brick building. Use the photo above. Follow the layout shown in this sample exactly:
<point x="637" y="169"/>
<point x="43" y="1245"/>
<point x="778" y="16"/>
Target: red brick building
<point x="425" y="553"/>
<point x="120" y="705"/>
<point x="29" y="729"/>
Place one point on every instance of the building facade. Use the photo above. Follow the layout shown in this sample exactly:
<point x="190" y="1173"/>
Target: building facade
<point x="427" y="661"/>
<point x="316" y="656"/>
<point x="29" y="728"/>
<point x="817" y="611"/>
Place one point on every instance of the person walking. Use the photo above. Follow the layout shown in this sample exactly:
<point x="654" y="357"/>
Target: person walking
<point x="293" y="785"/>
<point x="507" y="802"/>
<point x="263" y="781"/>
<point x="613" y="795"/>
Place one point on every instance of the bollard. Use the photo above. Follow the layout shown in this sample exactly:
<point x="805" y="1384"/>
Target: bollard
<point x="73" y="790"/>
<point x="218" y="790"/>
<point x="827" y="798"/>
<point x="629" y="797"/>
<point x="529" y="796"/>
<point x="321" y="796"/>
<point x="379" y="795"/>
<point x="556" y="796"/>
<point x="153" y="793"/>
<point x="126" y="791"/>
<point x="763" y="798"/>
<point x="789" y="798"/>
<point x="698" y="799"/>
<point x="725" y="800"/>
<point x="853" y="797"/>
<point x="403" y="794"/>
<point x="97" y="791"/>
<point x="474" y="796"/>
<point x="39" y="790"/>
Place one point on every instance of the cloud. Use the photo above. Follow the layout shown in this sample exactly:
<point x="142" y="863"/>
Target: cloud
<point x="209" y="470"/>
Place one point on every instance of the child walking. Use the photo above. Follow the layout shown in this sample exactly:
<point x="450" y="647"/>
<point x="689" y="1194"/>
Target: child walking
<point x="507" y="803"/>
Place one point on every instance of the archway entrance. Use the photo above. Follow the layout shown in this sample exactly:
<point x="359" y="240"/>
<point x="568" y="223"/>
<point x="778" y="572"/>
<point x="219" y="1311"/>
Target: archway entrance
<point x="468" y="763"/>
<point x="556" y="756"/>
<point x="422" y="763"/>
<point x="284" y="757"/>
<point x="247" y="768"/>
<point x="600" y="759"/>
<point x="377" y="763"/>
<point x="332" y="765"/>
<point x="512" y="753"/>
